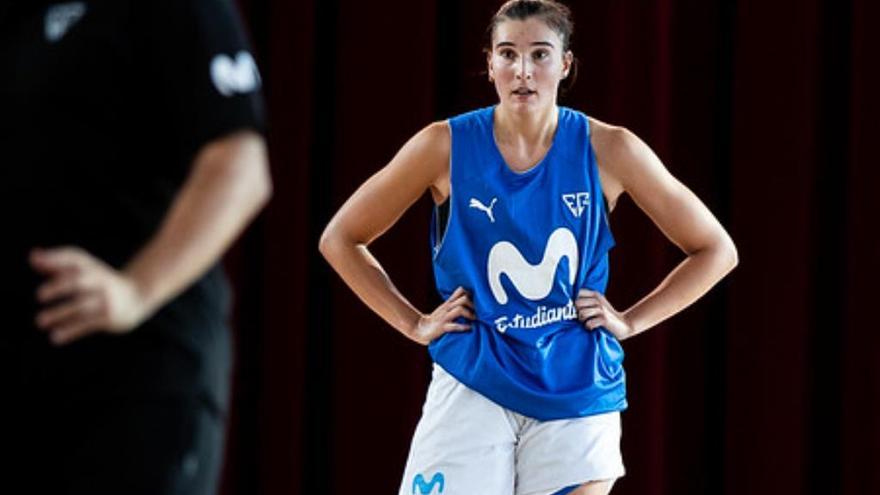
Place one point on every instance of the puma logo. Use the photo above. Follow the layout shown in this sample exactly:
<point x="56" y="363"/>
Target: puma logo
<point x="534" y="282"/>
<point x="475" y="203"/>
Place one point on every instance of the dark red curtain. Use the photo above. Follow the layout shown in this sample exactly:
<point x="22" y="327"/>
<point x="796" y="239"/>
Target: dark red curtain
<point x="767" y="110"/>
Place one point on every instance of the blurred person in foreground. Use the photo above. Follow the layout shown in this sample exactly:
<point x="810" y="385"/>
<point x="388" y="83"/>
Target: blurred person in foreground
<point x="133" y="156"/>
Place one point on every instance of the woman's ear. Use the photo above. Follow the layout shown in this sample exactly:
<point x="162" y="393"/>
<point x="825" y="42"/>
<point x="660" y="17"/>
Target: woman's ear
<point x="489" y="69"/>
<point x="567" y="61"/>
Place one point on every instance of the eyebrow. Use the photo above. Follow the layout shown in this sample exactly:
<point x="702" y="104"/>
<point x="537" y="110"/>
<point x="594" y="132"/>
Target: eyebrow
<point x="534" y="43"/>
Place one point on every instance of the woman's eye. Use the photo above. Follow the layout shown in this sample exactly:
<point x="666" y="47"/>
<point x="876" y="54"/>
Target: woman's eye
<point x="508" y="54"/>
<point x="540" y="55"/>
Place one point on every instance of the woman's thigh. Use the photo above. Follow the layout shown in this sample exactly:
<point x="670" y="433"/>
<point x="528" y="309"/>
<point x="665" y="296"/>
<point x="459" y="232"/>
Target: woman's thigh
<point x="463" y="444"/>
<point x="555" y="456"/>
<point x="594" y="488"/>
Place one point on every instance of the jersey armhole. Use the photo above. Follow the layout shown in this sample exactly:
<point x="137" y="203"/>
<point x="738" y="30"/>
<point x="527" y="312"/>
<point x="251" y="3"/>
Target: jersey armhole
<point x="442" y="213"/>
<point x="607" y="237"/>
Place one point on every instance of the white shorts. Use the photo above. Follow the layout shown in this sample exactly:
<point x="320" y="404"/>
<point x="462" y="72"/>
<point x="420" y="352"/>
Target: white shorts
<point x="466" y="444"/>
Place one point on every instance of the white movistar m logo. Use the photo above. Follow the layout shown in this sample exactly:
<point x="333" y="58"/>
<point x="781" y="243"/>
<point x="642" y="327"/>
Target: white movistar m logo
<point x="534" y="282"/>
<point x="235" y="76"/>
<point x="60" y="18"/>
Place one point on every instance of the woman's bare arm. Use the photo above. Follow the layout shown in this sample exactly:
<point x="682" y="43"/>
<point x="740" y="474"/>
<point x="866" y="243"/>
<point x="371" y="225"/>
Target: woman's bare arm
<point x="421" y="165"/>
<point x="628" y="165"/>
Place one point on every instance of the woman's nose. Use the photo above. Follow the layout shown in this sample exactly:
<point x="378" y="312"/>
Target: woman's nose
<point x="524" y="71"/>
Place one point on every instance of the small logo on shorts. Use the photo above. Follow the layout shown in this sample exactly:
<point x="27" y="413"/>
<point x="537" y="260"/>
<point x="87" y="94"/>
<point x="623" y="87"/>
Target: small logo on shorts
<point x="427" y="488"/>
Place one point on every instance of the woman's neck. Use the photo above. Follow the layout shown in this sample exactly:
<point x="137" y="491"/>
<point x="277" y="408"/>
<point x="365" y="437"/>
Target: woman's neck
<point x="526" y="129"/>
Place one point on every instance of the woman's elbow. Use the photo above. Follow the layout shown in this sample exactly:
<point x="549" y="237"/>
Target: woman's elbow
<point x="330" y="241"/>
<point x="325" y="242"/>
<point x="729" y="253"/>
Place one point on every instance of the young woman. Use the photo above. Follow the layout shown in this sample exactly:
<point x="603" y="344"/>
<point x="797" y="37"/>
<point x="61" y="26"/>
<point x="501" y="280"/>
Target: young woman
<point x="528" y="384"/>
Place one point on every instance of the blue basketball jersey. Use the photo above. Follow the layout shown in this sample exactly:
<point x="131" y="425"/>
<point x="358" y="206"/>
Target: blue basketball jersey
<point x="523" y="244"/>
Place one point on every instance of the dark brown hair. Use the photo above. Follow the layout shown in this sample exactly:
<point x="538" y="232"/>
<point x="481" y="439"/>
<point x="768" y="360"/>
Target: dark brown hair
<point x="556" y="15"/>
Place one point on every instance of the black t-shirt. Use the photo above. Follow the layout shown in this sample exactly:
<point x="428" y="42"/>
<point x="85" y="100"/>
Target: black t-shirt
<point x="103" y="107"/>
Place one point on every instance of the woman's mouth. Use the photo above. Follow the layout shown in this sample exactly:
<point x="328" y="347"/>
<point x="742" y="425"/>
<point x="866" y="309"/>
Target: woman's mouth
<point x="524" y="92"/>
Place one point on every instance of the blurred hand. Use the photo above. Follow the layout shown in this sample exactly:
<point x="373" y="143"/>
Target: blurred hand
<point x="83" y="295"/>
<point x="442" y="320"/>
<point x="595" y="311"/>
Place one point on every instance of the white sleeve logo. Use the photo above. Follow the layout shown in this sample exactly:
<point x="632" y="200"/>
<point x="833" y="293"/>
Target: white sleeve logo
<point x="534" y="282"/>
<point x="60" y="18"/>
<point x="235" y="76"/>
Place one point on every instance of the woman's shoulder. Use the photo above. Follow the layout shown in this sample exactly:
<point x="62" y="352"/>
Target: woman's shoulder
<point x="610" y="140"/>
<point x="429" y="149"/>
<point x="435" y="136"/>
<point x="615" y="148"/>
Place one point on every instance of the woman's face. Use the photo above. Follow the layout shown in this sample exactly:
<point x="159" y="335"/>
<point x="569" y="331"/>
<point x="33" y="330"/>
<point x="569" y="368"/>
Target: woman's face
<point x="526" y="64"/>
